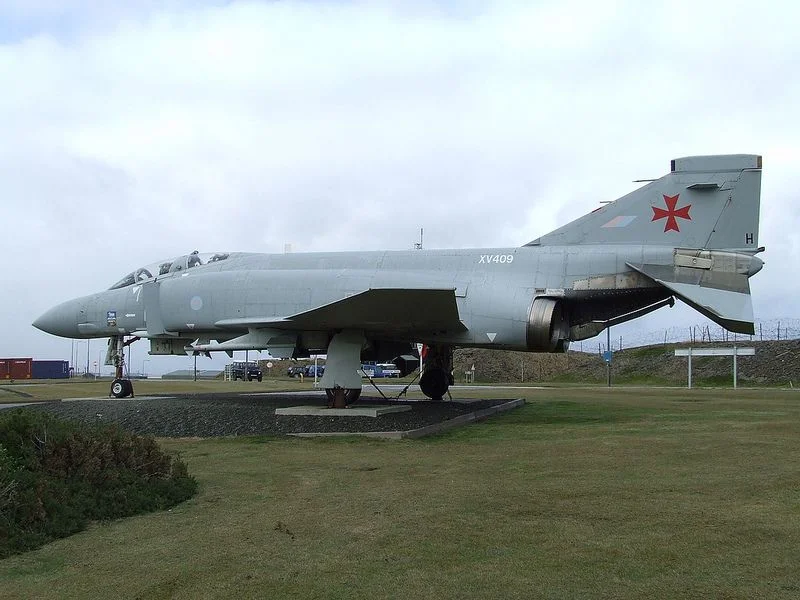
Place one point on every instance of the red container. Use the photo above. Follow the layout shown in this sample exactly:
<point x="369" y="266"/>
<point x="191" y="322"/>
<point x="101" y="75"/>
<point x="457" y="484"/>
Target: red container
<point x="16" y="368"/>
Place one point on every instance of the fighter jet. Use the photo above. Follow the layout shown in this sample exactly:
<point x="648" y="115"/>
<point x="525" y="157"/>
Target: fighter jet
<point x="691" y="234"/>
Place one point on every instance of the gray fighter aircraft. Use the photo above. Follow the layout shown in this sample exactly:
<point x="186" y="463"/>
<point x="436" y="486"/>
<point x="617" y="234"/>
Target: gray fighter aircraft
<point x="691" y="235"/>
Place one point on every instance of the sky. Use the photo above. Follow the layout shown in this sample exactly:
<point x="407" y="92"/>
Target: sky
<point x="134" y="132"/>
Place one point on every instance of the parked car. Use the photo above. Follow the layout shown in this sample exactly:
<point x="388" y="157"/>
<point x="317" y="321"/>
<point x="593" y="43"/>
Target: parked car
<point x="296" y="371"/>
<point x="388" y="370"/>
<point x="379" y="370"/>
<point x="320" y="369"/>
<point x="246" y="371"/>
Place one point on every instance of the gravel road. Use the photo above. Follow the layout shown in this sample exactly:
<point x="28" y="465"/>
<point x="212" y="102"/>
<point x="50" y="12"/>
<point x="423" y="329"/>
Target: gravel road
<point x="211" y="415"/>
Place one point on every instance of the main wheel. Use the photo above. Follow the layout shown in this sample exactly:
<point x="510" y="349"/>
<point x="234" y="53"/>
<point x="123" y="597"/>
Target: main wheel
<point x="434" y="383"/>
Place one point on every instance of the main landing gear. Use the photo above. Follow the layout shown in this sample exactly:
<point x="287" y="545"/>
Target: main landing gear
<point x="437" y="371"/>
<point x="120" y="387"/>
<point x="342" y="380"/>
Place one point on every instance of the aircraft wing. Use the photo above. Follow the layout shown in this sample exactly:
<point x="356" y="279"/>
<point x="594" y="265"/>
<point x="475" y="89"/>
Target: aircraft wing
<point x="724" y="297"/>
<point x="390" y="310"/>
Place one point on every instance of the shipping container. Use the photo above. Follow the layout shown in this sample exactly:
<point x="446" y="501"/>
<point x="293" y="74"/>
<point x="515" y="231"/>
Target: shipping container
<point x="15" y="368"/>
<point x="50" y="369"/>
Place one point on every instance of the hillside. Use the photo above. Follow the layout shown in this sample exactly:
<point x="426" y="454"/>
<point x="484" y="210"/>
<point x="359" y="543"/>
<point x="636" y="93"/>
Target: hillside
<point x="775" y="363"/>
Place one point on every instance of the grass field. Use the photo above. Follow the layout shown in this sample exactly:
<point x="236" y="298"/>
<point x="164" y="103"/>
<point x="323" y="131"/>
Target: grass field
<point x="629" y="493"/>
<point x="75" y="388"/>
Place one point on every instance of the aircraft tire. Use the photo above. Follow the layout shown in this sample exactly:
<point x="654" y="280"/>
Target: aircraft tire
<point x="121" y="388"/>
<point x="434" y="383"/>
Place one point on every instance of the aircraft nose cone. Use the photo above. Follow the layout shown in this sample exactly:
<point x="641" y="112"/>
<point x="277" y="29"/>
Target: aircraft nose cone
<point x="59" y="320"/>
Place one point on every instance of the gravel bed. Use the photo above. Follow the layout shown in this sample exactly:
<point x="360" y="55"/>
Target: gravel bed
<point x="213" y="415"/>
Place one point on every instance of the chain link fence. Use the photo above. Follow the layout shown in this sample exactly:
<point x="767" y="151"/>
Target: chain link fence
<point x="769" y="329"/>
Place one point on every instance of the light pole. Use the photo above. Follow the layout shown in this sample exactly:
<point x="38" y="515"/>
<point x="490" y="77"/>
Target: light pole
<point x="607" y="355"/>
<point x="144" y="370"/>
<point x="608" y="349"/>
<point x="77" y="352"/>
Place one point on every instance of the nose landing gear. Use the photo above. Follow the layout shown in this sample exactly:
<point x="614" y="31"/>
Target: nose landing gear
<point x="120" y="387"/>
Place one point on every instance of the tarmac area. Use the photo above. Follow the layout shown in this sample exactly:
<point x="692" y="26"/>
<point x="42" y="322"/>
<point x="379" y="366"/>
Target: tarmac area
<point x="217" y="415"/>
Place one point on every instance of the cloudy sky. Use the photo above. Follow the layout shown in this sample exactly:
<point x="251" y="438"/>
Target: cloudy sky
<point x="139" y="132"/>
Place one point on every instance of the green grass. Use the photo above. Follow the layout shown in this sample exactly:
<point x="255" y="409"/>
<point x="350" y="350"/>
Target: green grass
<point x="640" y="379"/>
<point x="651" y="351"/>
<point x="574" y="379"/>
<point x="714" y="381"/>
<point x="76" y="388"/>
<point x="587" y="492"/>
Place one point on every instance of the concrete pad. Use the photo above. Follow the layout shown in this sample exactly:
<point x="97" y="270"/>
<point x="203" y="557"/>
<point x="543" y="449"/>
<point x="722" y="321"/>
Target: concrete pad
<point x="353" y="411"/>
<point x="473" y="417"/>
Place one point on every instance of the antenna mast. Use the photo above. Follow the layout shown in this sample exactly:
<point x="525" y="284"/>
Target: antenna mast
<point x="418" y="245"/>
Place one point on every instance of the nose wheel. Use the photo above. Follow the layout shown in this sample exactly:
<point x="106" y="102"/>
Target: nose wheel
<point x="121" y="388"/>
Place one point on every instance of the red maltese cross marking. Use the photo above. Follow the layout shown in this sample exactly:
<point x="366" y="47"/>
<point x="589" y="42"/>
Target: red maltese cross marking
<point x="671" y="213"/>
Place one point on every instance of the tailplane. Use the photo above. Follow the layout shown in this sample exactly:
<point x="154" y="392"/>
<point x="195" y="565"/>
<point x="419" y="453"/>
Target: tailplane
<point x="704" y="202"/>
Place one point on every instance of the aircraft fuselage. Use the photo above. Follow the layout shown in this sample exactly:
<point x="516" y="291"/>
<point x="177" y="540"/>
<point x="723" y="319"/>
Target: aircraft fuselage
<point x="494" y="291"/>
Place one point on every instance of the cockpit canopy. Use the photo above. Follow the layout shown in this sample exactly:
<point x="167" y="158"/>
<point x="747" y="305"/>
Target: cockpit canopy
<point x="182" y="263"/>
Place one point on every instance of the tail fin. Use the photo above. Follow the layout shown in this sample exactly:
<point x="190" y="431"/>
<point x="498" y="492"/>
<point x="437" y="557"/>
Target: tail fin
<point x="704" y="202"/>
